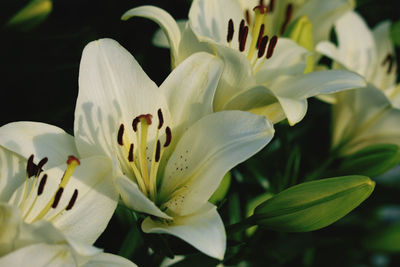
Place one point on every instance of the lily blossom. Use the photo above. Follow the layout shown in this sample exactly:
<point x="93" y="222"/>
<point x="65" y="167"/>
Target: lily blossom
<point x="370" y="53"/>
<point x="169" y="150"/>
<point x="53" y="206"/>
<point x="262" y="73"/>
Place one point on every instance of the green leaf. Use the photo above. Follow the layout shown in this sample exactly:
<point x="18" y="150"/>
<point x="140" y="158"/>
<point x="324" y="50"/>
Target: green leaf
<point x="371" y="161"/>
<point x="386" y="240"/>
<point x="395" y="33"/>
<point x="251" y="205"/>
<point x="312" y="205"/>
<point x="221" y="191"/>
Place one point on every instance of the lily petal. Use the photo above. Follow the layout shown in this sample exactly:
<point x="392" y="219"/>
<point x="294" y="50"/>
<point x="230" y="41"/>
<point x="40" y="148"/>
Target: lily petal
<point x="113" y="89"/>
<point x="237" y="76"/>
<point x="190" y="89"/>
<point x="107" y="259"/>
<point x="207" y="150"/>
<point x="43" y="140"/>
<point x="12" y="173"/>
<point x="164" y="20"/>
<point x="384" y="75"/>
<point x="204" y="230"/>
<point x="39" y="255"/>
<point x="135" y="200"/>
<point x="209" y="19"/>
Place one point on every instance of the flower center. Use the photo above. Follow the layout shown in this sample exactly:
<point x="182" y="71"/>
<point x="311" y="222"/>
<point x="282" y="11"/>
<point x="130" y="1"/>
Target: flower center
<point x="144" y="167"/>
<point x="29" y="197"/>
<point x="259" y="42"/>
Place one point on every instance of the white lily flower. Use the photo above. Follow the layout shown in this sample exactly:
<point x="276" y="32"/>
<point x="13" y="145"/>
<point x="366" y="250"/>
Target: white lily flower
<point x="170" y="151"/>
<point x="370" y="53"/>
<point x="370" y="115"/>
<point x="51" y="212"/>
<point x="261" y="74"/>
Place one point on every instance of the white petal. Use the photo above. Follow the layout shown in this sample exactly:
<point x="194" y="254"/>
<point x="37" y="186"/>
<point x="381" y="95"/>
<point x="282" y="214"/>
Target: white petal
<point x="134" y="199"/>
<point x="323" y="14"/>
<point x="39" y="255"/>
<point x="288" y="59"/>
<point x="10" y="222"/>
<point x="42" y="140"/>
<point x="204" y="230"/>
<point x="107" y="259"/>
<point x="384" y="75"/>
<point x="294" y="109"/>
<point x="237" y="76"/>
<point x="209" y="19"/>
<point x="113" y="89"/>
<point x="164" y="20"/>
<point x="190" y="89"/>
<point x="160" y="39"/>
<point x="208" y="150"/>
<point x="364" y="117"/>
<point x="318" y="82"/>
<point x="12" y="173"/>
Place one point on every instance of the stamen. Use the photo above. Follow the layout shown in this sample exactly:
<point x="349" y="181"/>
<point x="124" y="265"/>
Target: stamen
<point x="271" y="5"/>
<point x="42" y="184"/>
<point x="288" y="17"/>
<point x="168" y="136"/>
<point x="229" y="37"/>
<point x="388" y="59"/>
<point x="271" y="46"/>
<point x="263" y="46"/>
<point x="30" y="167"/>
<point x="247" y="14"/>
<point x="158" y="151"/>
<point x="161" y="117"/>
<point x="242" y="43"/>
<point x="260" y="35"/>
<point x="135" y="123"/>
<point x="73" y="200"/>
<point x="41" y="164"/>
<point x="130" y="154"/>
<point x="241" y="28"/>
<point x="120" y="135"/>
<point x="57" y="197"/>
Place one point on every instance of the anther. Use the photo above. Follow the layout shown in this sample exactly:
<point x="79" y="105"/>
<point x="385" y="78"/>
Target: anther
<point x="260" y="35"/>
<point x="120" y="135"/>
<point x="135" y="123"/>
<point x="263" y="46"/>
<point x="30" y="167"/>
<point x="40" y="165"/>
<point x="271" y="46"/>
<point x="247" y="14"/>
<point x="158" y="151"/>
<point x="271" y="5"/>
<point x="229" y="37"/>
<point x="73" y="200"/>
<point x="388" y="59"/>
<point x="160" y="118"/>
<point x="168" y="136"/>
<point x="241" y="28"/>
<point x="42" y="184"/>
<point x="130" y="154"/>
<point x="242" y="43"/>
<point x="57" y="197"/>
<point x="288" y="17"/>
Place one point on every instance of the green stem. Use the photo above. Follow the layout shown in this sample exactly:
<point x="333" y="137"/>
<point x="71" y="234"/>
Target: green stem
<point x="240" y="226"/>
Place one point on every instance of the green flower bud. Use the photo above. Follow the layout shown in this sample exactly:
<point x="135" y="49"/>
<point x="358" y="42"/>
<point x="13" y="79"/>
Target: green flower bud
<point x="313" y="205"/>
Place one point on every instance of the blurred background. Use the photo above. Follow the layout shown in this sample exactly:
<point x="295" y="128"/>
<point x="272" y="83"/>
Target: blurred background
<point x="39" y="66"/>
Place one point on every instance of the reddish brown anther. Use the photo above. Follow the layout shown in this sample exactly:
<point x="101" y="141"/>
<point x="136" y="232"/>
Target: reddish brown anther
<point x="72" y="200"/>
<point x="57" y="197"/>
<point x="260" y="35"/>
<point x="168" y="136"/>
<point x="263" y="46"/>
<point x="160" y="118"/>
<point x="271" y="46"/>
<point x="42" y="184"/>
<point x="130" y="153"/>
<point x="158" y="151"/>
<point x="120" y="135"/>
<point x="242" y="42"/>
<point x="288" y="17"/>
